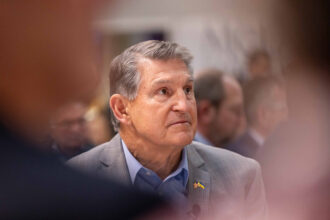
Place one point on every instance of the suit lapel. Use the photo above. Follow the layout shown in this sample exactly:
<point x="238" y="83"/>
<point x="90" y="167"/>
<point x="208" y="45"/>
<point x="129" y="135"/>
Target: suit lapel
<point x="198" y="194"/>
<point x="113" y="162"/>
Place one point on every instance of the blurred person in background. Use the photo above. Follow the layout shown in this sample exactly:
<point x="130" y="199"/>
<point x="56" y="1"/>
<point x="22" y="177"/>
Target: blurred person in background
<point x="219" y="107"/>
<point x="152" y="99"/>
<point x="46" y="62"/>
<point x="100" y="128"/>
<point x="265" y="108"/>
<point x="69" y="131"/>
<point x="258" y="64"/>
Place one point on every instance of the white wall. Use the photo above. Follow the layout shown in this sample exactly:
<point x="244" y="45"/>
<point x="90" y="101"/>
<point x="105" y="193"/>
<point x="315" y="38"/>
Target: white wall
<point x="218" y="32"/>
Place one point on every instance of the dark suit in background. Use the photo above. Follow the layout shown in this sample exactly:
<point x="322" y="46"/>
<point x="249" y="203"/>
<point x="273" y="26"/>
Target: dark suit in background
<point x="36" y="185"/>
<point x="245" y="145"/>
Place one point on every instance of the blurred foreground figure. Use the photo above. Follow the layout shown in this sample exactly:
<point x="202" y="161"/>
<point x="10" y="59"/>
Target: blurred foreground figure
<point x="152" y="99"/>
<point x="46" y="57"/>
<point x="296" y="158"/>
<point x="100" y="128"/>
<point x="219" y="107"/>
<point x="265" y="107"/>
<point x="69" y="132"/>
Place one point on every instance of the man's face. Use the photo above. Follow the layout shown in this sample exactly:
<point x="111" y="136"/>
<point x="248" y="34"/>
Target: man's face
<point x="228" y="115"/>
<point x="69" y="128"/>
<point x="164" y="111"/>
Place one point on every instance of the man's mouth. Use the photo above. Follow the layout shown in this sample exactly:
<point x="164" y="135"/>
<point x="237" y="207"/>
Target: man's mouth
<point x="180" y="122"/>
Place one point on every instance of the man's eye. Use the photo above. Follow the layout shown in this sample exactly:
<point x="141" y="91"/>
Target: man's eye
<point x="163" y="91"/>
<point x="187" y="90"/>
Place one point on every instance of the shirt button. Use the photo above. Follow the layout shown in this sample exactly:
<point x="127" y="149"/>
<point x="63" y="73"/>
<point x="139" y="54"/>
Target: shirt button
<point x="148" y="173"/>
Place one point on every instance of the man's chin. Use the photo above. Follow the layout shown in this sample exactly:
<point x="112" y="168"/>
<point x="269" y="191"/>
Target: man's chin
<point x="182" y="140"/>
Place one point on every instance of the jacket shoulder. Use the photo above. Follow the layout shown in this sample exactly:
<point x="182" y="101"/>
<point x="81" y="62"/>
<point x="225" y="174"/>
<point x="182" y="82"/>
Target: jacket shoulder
<point x="218" y="159"/>
<point x="89" y="159"/>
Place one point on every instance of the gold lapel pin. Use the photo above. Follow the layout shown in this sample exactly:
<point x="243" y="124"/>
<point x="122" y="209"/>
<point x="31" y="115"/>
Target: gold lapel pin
<point x="198" y="184"/>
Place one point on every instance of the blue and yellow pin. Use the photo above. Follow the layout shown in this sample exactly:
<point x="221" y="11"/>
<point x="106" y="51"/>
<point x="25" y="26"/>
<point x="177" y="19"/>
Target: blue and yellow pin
<point x="198" y="184"/>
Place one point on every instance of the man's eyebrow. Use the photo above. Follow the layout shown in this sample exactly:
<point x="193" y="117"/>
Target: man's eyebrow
<point x="165" y="81"/>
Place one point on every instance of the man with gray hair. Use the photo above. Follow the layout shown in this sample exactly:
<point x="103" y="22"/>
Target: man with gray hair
<point x="154" y="108"/>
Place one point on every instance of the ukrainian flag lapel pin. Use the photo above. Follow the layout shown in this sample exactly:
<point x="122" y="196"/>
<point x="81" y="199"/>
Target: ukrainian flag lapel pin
<point x="198" y="185"/>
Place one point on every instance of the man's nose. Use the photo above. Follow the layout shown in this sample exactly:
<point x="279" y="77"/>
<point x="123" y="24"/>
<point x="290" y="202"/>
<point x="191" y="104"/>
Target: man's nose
<point x="181" y="102"/>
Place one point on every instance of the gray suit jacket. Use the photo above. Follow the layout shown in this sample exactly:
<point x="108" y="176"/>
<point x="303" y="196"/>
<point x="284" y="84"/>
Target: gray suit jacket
<point x="233" y="186"/>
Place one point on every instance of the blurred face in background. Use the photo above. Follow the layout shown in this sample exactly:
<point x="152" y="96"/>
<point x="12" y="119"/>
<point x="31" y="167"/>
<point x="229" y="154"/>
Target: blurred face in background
<point x="68" y="126"/>
<point x="275" y="109"/>
<point x="227" y="118"/>
<point x="260" y="66"/>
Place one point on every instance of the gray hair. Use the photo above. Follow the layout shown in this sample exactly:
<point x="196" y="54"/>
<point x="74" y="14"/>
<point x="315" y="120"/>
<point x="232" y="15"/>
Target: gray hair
<point x="124" y="75"/>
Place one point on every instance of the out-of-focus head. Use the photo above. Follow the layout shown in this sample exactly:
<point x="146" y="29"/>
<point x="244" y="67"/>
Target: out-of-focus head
<point x="47" y="59"/>
<point x="220" y="106"/>
<point x="265" y="103"/>
<point x="259" y="64"/>
<point x="68" y="126"/>
<point x="151" y="90"/>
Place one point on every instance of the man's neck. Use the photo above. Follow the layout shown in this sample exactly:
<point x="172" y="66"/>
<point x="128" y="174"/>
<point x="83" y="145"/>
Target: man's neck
<point x="162" y="160"/>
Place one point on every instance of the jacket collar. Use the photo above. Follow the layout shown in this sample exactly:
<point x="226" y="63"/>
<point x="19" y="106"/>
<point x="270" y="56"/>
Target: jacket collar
<point x="113" y="162"/>
<point x="199" y="183"/>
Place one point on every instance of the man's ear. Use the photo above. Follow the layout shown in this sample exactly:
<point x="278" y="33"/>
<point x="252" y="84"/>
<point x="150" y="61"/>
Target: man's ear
<point x="206" y="112"/>
<point x="118" y="105"/>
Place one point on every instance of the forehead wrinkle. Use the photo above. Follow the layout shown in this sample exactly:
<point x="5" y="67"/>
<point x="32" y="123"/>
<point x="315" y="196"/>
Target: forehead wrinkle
<point x="168" y="81"/>
<point x="162" y="81"/>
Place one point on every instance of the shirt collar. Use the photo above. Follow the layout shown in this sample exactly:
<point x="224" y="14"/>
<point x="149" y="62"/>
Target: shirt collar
<point x="256" y="136"/>
<point x="134" y="166"/>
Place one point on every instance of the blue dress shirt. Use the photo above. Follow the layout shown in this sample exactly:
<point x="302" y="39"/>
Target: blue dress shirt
<point x="172" y="187"/>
